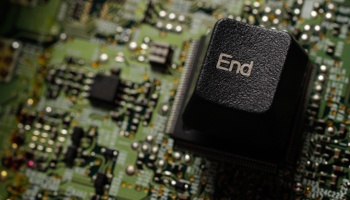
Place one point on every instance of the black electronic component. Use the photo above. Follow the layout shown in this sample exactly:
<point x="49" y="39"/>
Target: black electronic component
<point x="53" y="163"/>
<point x="323" y="178"/>
<point x="337" y="153"/>
<point x="321" y="123"/>
<point x="66" y="87"/>
<point x="151" y="160"/>
<point x="319" y="130"/>
<point x="347" y="154"/>
<point x="336" y="29"/>
<point x="139" y="164"/>
<point x="50" y="94"/>
<point x="109" y="153"/>
<point x="331" y="48"/>
<point x="142" y="101"/>
<point x="140" y="159"/>
<point x="179" y="186"/>
<point x="318" y="150"/>
<point x="77" y="134"/>
<point x="104" y="88"/>
<point x="176" y="168"/>
<point x="77" y="8"/>
<point x="114" y="115"/>
<point x="328" y="150"/>
<point x="325" y="156"/>
<point x="309" y="165"/>
<point x="247" y="7"/>
<point x="100" y="182"/>
<point x="29" y="155"/>
<point x="310" y="175"/>
<point x="30" y="119"/>
<point x="157" y="176"/>
<point x="160" y="55"/>
<point x="70" y="155"/>
<point x="95" y="197"/>
<point x="147" y="89"/>
<point x="314" y="109"/>
<point x="148" y="12"/>
<point x="250" y="92"/>
<point x="58" y="150"/>
<point x="289" y="15"/>
<point x="41" y="157"/>
<point x="41" y="119"/>
<point x="42" y="167"/>
<point x="338" y="169"/>
<point x="115" y="71"/>
<point x="154" y="99"/>
<point x="296" y="33"/>
<point x="147" y="116"/>
<point x="311" y="122"/>
<point x="53" y="134"/>
<point x="320" y="126"/>
<point x="80" y="77"/>
<point x="334" y="180"/>
<point x="66" y="122"/>
<point x="342" y="130"/>
<point x="324" y="139"/>
<point x="18" y="137"/>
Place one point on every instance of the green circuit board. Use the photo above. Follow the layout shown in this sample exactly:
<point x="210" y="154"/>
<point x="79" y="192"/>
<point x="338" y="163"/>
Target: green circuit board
<point x="52" y="51"/>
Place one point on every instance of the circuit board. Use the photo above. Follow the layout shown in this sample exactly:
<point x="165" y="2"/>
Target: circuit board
<point x="87" y="101"/>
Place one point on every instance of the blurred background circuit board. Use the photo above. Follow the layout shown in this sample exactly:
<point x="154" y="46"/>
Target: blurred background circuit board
<point x="87" y="89"/>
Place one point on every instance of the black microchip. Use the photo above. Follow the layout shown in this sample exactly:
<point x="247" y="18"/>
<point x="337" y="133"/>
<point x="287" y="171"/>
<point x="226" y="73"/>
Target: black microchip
<point x="71" y="154"/>
<point x="104" y="88"/>
<point x="78" y="133"/>
<point x="100" y="182"/>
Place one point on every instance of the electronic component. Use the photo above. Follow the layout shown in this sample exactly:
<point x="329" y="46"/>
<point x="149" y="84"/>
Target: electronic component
<point x="70" y="155"/>
<point x="176" y="168"/>
<point x="95" y="197"/>
<point x="330" y="49"/>
<point x="148" y="12"/>
<point x="240" y="98"/>
<point x="77" y="134"/>
<point x="9" y="52"/>
<point x="310" y="175"/>
<point x="323" y="178"/>
<point x="160" y="55"/>
<point x="100" y="182"/>
<point x="109" y="153"/>
<point x="179" y="186"/>
<point x="104" y="88"/>
<point x="334" y="180"/>
<point x="342" y="130"/>
<point x="18" y="137"/>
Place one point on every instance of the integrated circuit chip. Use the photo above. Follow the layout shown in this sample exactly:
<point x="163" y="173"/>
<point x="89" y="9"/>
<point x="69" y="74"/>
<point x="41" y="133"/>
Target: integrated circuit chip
<point x="104" y="88"/>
